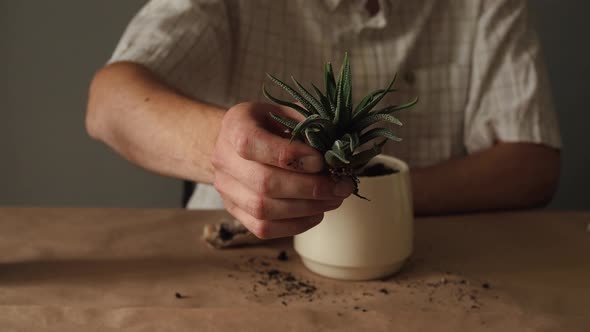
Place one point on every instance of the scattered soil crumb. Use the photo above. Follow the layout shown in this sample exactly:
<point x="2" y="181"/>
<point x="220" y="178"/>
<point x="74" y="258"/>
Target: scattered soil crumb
<point x="276" y="282"/>
<point x="283" y="256"/>
<point x="268" y="279"/>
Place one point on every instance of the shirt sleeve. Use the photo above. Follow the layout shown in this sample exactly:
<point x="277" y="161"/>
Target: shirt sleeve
<point x="509" y="97"/>
<point x="185" y="42"/>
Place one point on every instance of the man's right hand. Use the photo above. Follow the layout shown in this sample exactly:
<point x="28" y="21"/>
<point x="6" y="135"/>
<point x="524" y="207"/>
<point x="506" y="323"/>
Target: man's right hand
<point x="266" y="182"/>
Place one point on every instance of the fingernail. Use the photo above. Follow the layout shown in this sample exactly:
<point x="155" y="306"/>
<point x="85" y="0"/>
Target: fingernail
<point x="311" y="164"/>
<point x="342" y="189"/>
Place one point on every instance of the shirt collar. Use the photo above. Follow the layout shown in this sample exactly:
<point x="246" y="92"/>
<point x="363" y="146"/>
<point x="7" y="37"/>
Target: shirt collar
<point x="332" y="4"/>
<point x="378" y="21"/>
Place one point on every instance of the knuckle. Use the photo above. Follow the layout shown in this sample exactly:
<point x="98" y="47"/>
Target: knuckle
<point x="264" y="183"/>
<point x="216" y="160"/>
<point x="226" y="120"/>
<point x="258" y="208"/>
<point x="287" y="157"/>
<point x="230" y="207"/>
<point x="261" y="229"/>
<point x="317" y="189"/>
<point x="240" y="107"/>
<point x="217" y="185"/>
<point x="256" y="134"/>
<point x="242" y="143"/>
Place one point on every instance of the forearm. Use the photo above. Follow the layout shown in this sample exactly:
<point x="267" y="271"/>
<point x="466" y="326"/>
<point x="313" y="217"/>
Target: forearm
<point x="505" y="176"/>
<point x="152" y="125"/>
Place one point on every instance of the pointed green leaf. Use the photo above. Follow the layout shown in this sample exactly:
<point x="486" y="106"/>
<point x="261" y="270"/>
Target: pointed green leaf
<point x="349" y="141"/>
<point x="319" y="108"/>
<point x="374" y="118"/>
<point x="296" y="107"/>
<point x="362" y="158"/>
<point x="347" y="90"/>
<point x="293" y="93"/>
<point x="324" y="101"/>
<point x="354" y="141"/>
<point x="340" y="94"/>
<point x="330" y="84"/>
<point x="394" y="108"/>
<point x="368" y="98"/>
<point x="301" y="125"/>
<point x="363" y="102"/>
<point x="339" y="147"/>
<point x="378" y="132"/>
<point x="330" y="155"/>
<point x="315" y="139"/>
<point x="362" y="112"/>
<point x="289" y="123"/>
<point x="313" y="119"/>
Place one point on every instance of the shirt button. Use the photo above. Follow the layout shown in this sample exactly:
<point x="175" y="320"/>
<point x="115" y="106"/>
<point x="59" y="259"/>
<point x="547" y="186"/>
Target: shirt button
<point x="409" y="77"/>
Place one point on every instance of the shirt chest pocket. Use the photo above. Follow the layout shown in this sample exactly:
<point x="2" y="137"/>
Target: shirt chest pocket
<point x="433" y="129"/>
<point x="441" y="88"/>
<point x="442" y="91"/>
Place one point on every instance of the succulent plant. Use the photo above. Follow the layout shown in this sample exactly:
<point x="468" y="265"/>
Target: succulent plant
<point x="332" y="124"/>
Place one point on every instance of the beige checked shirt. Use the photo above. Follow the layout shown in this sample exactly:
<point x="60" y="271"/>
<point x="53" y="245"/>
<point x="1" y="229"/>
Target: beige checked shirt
<point x="475" y="64"/>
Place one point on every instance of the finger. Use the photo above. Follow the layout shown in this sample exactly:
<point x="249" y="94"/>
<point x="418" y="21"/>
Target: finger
<point x="266" y="208"/>
<point x="252" y="141"/>
<point x="269" y="229"/>
<point x="262" y="146"/>
<point x="279" y="183"/>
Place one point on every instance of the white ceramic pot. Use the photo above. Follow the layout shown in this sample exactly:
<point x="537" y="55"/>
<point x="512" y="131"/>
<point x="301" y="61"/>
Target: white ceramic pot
<point x="364" y="240"/>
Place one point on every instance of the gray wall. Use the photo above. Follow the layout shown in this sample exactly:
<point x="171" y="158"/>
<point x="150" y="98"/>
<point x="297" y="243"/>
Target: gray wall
<point x="563" y="27"/>
<point x="50" y="49"/>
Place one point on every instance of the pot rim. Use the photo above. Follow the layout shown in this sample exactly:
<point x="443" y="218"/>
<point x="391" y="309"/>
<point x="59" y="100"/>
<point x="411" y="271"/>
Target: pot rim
<point x="396" y="163"/>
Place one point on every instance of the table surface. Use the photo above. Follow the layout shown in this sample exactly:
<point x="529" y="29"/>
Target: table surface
<point x="106" y="269"/>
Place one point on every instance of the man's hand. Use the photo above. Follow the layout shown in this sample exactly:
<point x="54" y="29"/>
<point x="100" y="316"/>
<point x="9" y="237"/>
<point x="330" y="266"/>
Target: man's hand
<point x="266" y="182"/>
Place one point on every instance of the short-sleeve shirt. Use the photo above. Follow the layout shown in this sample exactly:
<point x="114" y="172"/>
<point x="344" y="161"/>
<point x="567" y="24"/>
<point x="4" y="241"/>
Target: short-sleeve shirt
<point x="476" y="65"/>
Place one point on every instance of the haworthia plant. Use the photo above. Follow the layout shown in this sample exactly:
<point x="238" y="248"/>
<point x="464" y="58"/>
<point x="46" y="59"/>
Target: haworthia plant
<point x="334" y="126"/>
